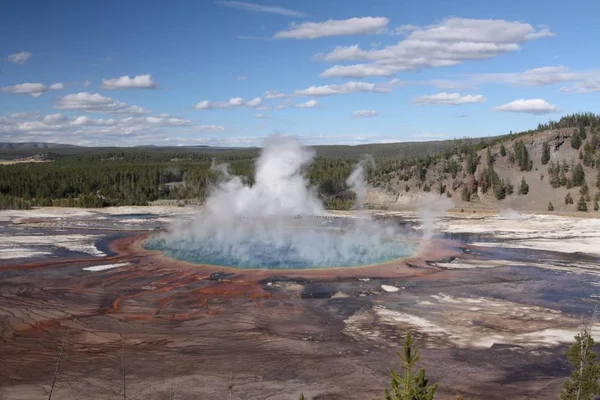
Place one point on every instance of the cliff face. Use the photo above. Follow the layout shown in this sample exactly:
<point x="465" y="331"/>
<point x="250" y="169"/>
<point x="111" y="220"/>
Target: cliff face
<point x="549" y="177"/>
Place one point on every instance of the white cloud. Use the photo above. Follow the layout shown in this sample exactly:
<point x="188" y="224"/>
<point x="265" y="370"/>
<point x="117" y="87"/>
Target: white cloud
<point x="530" y="106"/>
<point x="365" y="113"/>
<point x="235" y="102"/>
<point x="585" y="86"/>
<point x="86" y="83"/>
<point x="85" y="101"/>
<point x="444" y="84"/>
<point x="210" y="128"/>
<point x="274" y="94"/>
<point x="309" y="104"/>
<point x="94" y="131"/>
<point x="448" y="99"/>
<point x="537" y="76"/>
<point x="348" y="87"/>
<point x="241" y="78"/>
<point x="583" y="81"/>
<point x="261" y="116"/>
<point x="451" y="42"/>
<point x="351" y="26"/>
<point x="54" y="119"/>
<point x="32" y="89"/>
<point x="263" y="9"/>
<point x="126" y="82"/>
<point x="19" y="58"/>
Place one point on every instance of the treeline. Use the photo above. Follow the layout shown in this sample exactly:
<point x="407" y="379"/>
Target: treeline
<point x="81" y="177"/>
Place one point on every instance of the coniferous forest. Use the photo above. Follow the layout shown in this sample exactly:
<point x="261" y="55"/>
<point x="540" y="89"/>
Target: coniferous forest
<point x="100" y="177"/>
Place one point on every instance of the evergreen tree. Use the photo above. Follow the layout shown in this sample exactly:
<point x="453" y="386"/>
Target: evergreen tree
<point x="576" y="141"/>
<point x="500" y="190"/>
<point x="596" y="205"/>
<point x="302" y="396"/>
<point x="583" y="382"/>
<point x="490" y="158"/>
<point x="545" y="153"/>
<point x="582" y="133"/>
<point x="550" y="207"/>
<point x="523" y="187"/>
<point x="598" y="179"/>
<point x="582" y="205"/>
<point x="510" y="188"/>
<point x="568" y="199"/>
<point x="578" y="175"/>
<point x="410" y="386"/>
<point x="502" y="150"/>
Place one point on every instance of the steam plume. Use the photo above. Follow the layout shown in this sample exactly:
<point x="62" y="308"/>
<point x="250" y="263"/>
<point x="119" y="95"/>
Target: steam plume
<point x="258" y="226"/>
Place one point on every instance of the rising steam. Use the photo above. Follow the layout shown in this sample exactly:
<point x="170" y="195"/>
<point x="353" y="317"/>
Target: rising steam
<point x="265" y="225"/>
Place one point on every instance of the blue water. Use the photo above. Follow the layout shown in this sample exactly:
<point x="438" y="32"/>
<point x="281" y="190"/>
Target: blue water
<point x="302" y="249"/>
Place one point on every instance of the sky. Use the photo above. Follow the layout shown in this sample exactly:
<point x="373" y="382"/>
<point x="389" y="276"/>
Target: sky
<point x="230" y="73"/>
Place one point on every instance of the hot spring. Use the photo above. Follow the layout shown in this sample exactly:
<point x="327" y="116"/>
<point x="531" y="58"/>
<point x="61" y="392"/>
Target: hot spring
<point x="278" y="245"/>
<point x="279" y="222"/>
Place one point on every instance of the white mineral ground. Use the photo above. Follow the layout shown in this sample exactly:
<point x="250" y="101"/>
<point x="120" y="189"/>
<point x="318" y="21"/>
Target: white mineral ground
<point x="104" y="267"/>
<point x="448" y="321"/>
<point x="22" y="246"/>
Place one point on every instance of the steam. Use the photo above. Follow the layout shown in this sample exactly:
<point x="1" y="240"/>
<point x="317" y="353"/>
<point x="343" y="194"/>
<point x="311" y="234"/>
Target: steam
<point x="357" y="180"/>
<point x="266" y="226"/>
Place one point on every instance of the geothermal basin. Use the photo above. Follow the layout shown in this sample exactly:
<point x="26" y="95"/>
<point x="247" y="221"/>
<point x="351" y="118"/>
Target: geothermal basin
<point x="289" y="244"/>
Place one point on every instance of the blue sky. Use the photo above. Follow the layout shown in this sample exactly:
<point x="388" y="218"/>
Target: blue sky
<point x="340" y="71"/>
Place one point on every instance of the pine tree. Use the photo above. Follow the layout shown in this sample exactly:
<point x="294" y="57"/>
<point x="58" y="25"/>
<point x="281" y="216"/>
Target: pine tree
<point x="598" y="179"/>
<point x="576" y="141"/>
<point x="490" y="158"/>
<point x="582" y="205"/>
<point x="523" y="187"/>
<point x="568" y="199"/>
<point x="302" y="396"/>
<point x="583" y="382"/>
<point x="409" y="386"/>
<point x="545" y="153"/>
<point x="502" y="150"/>
<point x="550" y="207"/>
<point x="578" y="175"/>
<point x="596" y="205"/>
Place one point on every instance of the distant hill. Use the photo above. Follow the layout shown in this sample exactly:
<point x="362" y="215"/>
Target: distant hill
<point x="36" y="145"/>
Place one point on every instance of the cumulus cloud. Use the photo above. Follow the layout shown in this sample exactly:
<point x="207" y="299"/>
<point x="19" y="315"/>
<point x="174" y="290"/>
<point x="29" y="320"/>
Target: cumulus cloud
<point x="537" y="76"/>
<point x="448" y="99"/>
<point x="89" y="102"/>
<point x="32" y="89"/>
<point x="449" y="43"/>
<point x="274" y="94"/>
<point x="345" y="88"/>
<point x="529" y="106"/>
<point x="235" y="102"/>
<point x="126" y="82"/>
<point x="332" y="27"/>
<point x="241" y="78"/>
<point x="286" y="12"/>
<point x="309" y="104"/>
<point x="19" y="58"/>
<point x="129" y="130"/>
<point x="582" y="81"/>
<point x="365" y="113"/>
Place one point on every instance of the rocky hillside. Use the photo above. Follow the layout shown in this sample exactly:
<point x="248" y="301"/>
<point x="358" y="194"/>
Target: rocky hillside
<point x="544" y="170"/>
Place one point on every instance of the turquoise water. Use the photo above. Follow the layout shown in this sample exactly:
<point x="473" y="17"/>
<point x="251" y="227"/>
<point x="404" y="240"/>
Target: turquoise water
<point x="300" y="249"/>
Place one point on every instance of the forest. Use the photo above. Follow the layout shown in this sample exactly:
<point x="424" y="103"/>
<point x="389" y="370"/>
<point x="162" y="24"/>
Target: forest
<point x="100" y="177"/>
